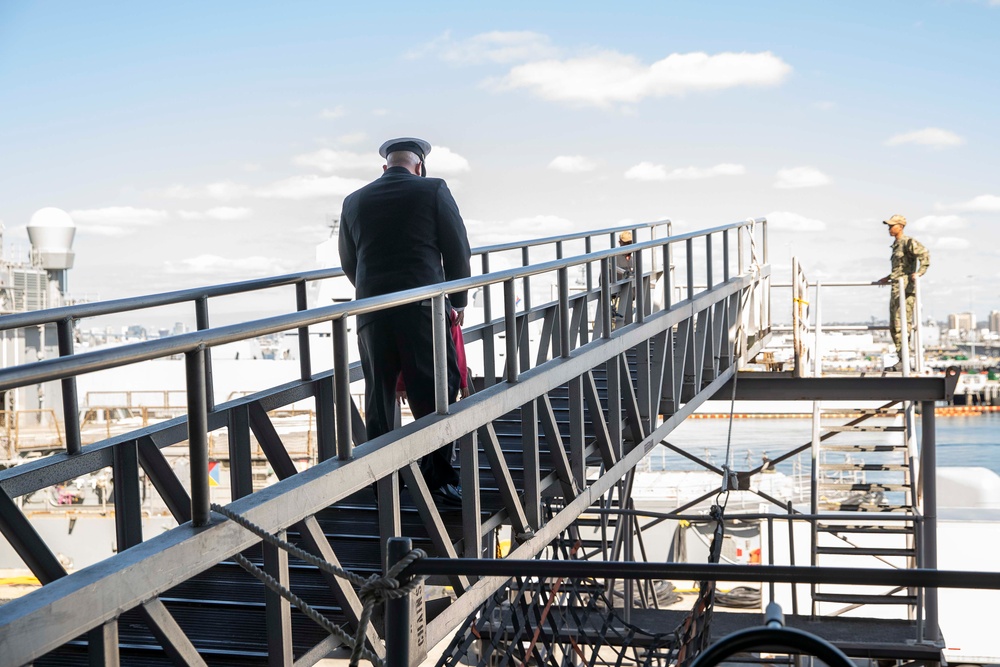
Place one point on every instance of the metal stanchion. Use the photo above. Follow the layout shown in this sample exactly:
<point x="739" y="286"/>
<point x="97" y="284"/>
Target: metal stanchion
<point x="405" y="620"/>
<point x="197" y="401"/>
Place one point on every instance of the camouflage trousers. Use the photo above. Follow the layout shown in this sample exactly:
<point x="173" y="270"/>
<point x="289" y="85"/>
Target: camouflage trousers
<point x="895" y="326"/>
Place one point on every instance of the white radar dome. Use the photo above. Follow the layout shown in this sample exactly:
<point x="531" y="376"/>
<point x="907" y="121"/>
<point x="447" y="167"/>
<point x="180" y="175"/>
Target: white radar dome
<point x="51" y="233"/>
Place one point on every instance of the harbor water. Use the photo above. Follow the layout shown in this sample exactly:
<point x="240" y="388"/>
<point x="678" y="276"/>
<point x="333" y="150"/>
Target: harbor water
<point x="961" y="441"/>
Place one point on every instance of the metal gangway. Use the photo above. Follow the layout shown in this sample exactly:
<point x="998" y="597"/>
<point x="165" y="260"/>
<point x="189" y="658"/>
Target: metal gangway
<point x="575" y="392"/>
<point x="579" y="390"/>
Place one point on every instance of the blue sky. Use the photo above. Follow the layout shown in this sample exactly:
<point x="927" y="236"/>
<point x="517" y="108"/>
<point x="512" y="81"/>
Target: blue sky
<point x="196" y="143"/>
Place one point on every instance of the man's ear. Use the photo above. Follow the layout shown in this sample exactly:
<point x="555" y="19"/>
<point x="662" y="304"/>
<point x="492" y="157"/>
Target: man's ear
<point x="384" y="167"/>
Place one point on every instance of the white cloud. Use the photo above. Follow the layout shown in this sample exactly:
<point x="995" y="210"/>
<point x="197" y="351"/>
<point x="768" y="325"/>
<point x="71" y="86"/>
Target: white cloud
<point x="117" y="220"/>
<point x="800" y="177"/>
<point x="934" y="137"/>
<point x="443" y="160"/>
<point x="572" y="164"/>
<point x="938" y="223"/>
<point x="222" y="190"/>
<point x="610" y="78"/>
<point x="214" y="265"/>
<point x="352" y="138"/>
<point x="332" y="114"/>
<point x="104" y="230"/>
<point x="309" y="187"/>
<point x="483" y="232"/>
<point x="980" y="204"/>
<point x="489" y="47"/>
<point x="786" y="220"/>
<point x="949" y="243"/>
<point x="329" y="161"/>
<point x="224" y="213"/>
<point x="647" y="171"/>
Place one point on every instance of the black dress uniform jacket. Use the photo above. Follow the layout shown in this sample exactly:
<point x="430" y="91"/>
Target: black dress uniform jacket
<point x="400" y="232"/>
<point x="396" y="233"/>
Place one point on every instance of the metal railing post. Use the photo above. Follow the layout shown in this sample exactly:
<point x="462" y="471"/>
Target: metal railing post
<point x="489" y="340"/>
<point x="740" y="233"/>
<point x="342" y="390"/>
<point x="563" y="278"/>
<point x="70" y="400"/>
<point x="689" y="250"/>
<point x="928" y="471"/>
<point x="405" y="623"/>
<point x="305" y="351"/>
<point x="918" y="334"/>
<point x="904" y="330"/>
<point x="763" y="242"/>
<point x="605" y="313"/>
<point x="526" y="281"/>
<point x="201" y="321"/>
<point x="725" y="256"/>
<point x="197" y="405"/>
<point x="640" y="291"/>
<point x="668" y="287"/>
<point x="440" y="332"/>
<point x="510" y="328"/>
<point x="817" y="334"/>
<point x="708" y="262"/>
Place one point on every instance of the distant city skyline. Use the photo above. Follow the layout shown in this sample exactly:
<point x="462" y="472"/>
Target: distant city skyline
<point x="199" y="143"/>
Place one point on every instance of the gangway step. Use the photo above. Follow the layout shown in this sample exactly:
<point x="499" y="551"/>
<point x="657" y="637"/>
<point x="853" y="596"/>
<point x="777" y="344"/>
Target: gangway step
<point x="871" y="529"/>
<point x="859" y="447"/>
<point x="870" y="467"/>
<point x="864" y="428"/>
<point x="848" y="598"/>
<point x="865" y="551"/>
<point x="862" y="486"/>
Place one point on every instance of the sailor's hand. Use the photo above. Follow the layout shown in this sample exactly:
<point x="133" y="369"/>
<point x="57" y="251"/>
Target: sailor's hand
<point x="882" y="281"/>
<point x="401" y="397"/>
<point x="460" y="317"/>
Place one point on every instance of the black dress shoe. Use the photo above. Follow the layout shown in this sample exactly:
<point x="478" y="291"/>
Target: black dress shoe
<point x="448" y="495"/>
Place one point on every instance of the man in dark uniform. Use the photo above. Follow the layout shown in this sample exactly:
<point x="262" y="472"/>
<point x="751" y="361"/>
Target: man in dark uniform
<point x="400" y="232"/>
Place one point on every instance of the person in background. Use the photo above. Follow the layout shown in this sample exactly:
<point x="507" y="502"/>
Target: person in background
<point x="624" y="268"/>
<point x="402" y="231"/>
<point x="910" y="260"/>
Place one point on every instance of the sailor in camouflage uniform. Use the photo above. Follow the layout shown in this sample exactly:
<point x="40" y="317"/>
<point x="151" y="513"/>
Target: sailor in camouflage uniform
<point x="907" y="254"/>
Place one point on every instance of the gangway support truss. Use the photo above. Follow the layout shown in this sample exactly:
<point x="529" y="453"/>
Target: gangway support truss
<point x="568" y="399"/>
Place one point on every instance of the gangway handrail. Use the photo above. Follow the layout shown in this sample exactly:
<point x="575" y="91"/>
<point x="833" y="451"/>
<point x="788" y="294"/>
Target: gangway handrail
<point x="58" y="368"/>
<point x="98" y="308"/>
<point x="714" y="338"/>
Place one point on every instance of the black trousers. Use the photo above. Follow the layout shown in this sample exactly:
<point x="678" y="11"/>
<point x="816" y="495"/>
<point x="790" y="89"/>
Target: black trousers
<point x="400" y="340"/>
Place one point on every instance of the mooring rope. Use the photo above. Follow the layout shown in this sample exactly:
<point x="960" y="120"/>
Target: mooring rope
<point x="375" y="589"/>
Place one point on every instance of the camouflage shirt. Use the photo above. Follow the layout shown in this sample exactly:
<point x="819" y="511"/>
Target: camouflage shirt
<point x="906" y="254"/>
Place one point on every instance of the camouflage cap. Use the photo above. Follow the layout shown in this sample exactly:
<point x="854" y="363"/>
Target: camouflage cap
<point x="625" y="238"/>
<point x="896" y="220"/>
